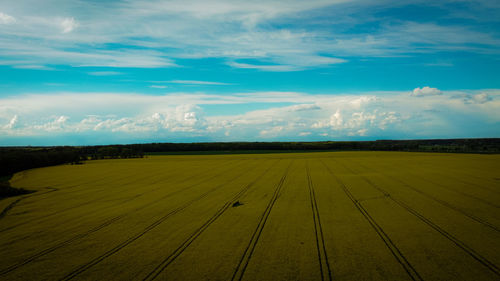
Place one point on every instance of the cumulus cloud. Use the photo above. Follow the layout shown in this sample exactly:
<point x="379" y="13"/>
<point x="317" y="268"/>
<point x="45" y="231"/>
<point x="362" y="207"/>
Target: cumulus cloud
<point x="481" y="98"/>
<point x="304" y="107"/>
<point x="425" y="91"/>
<point x="160" y="117"/>
<point x="6" y="19"/>
<point x="272" y="132"/>
<point x="68" y="25"/>
<point x="57" y="124"/>
<point x="12" y="123"/>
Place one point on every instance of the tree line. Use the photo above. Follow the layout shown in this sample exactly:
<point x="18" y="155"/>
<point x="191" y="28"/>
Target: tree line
<point x="15" y="159"/>
<point x="486" y="145"/>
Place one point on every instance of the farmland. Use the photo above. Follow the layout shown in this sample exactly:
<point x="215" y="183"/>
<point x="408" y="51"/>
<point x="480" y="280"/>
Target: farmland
<point x="294" y="216"/>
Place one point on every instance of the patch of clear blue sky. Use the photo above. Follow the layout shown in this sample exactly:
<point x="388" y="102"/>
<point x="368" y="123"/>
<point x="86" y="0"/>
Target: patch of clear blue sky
<point x="401" y="65"/>
<point x="360" y="73"/>
<point x="357" y="75"/>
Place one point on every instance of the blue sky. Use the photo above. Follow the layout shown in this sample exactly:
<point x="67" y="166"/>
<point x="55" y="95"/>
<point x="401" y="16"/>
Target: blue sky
<point x="97" y="72"/>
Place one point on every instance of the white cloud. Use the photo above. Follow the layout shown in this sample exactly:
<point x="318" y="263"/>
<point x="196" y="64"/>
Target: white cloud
<point x="158" y="86"/>
<point x="33" y="66"/>
<point x="336" y="120"/>
<point x="276" y="35"/>
<point x="272" y="132"/>
<point x="12" y="123"/>
<point x="68" y="25"/>
<point x="425" y="91"/>
<point x="392" y="114"/>
<point x="360" y="132"/>
<point x="6" y="19"/>
<point x="104" y="73"/>
<point x="196" y="82"/>
<point x="304" y="107"/>
<point x="57" y="124"/>
<point x="265" y="67"/>
<point x="481" y="98"/>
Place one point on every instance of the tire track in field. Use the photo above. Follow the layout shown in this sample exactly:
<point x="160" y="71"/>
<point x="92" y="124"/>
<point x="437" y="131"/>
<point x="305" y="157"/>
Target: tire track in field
<point x="102" y="180"/>
<point x="247" y="254"/>
<point x="13" y="204"/>
<point x="52" y="189"/>
<point x="99" y="227"/>
<point x="93" y="201"/>
<point x="470" y="183"/>
<point x="466" y="182"/>
<point x="458" y="191"/>
<point x="478" y="257"/>
<point x="442" y="202"/>
<point x="127" y="242"/>
<point x="462" y="193"/>
<point x="410" y="270"/>
<point x="57" y="246"/>
<point x="318" y="231"/>
<point x="179" y="250"/>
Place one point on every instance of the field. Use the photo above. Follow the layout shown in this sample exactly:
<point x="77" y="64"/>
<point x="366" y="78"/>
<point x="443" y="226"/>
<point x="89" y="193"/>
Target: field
<point x="300" y="216"/>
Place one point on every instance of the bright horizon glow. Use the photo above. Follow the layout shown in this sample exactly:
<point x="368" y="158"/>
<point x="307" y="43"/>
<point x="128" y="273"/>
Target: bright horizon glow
<point x="221" y="70"/>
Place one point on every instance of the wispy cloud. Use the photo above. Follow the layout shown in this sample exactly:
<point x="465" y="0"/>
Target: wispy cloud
<point x="33" y="66"/>
<point x="196" y="82"/>
<point x="278" y="35"/>
<point x="105" y="73"/>
<point x="6" y="19"/>
<point x="443" y="64"/>
<point x="265" y="67"/>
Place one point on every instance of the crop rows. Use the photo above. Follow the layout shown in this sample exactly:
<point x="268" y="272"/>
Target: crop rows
<point x="171" y="207"/>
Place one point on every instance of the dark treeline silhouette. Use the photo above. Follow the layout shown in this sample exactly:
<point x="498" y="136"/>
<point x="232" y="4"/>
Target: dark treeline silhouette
<point x="7" y="191"/>
<point x="490" y="145"/>
<point x="15" y="159"/>
<point x="110" y="152"/>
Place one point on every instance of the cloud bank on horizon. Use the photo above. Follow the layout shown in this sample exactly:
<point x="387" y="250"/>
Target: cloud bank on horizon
<point x="91" y="72"/>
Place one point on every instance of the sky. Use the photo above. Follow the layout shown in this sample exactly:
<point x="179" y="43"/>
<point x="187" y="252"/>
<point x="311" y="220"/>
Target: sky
<point x="75" y="72"/>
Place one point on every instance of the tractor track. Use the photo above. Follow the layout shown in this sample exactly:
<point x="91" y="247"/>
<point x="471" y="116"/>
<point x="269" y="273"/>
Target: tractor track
<point x="247" y="254"/>
<point x="59" y="245"/>
<point x="318" y="231"/>
<point x="442" y="202"/>
<point x="463" y="181"/>
<point x="93" y="201"/>
<point x="179" y="250"/>
<point x="461" y="193"/>
<point x="99" y="227"/>
<point x="478" y="257"/>
<point x="127" y="242"/>
<point x="10" y="206"/>
<point x="396" y="252"/>
<point x="13" y="204"/>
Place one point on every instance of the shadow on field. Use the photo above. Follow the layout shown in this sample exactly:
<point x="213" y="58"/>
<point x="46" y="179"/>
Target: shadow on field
<point x="237" y="204"/>
<point x="8" y="191"/>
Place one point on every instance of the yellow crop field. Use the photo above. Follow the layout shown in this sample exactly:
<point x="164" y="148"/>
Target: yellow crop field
<point x="292" y="216"/>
